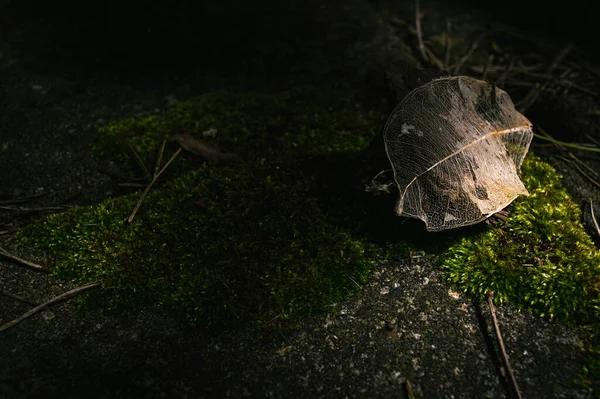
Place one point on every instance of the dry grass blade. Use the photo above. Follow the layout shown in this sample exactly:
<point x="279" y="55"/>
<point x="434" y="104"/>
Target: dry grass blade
<point x="140" y="163"/>
<point x="149" y="186"/>
<point x="507" y="71"/>
<point x="24" y="262"/>
<point x="594" y="218"/>
<point x="487" y="66"/>
<point x="419" y="32"/>
<point x="18" y="298"/>
<point x="575" y="163"/>
<point x="469" y="53"/>
<point x="204" y="150"/>
<point x="38" y="209"/>
<point x="448" y="43"/>
<point x="570" y="145"/>
<point x="134" y="185"/>
<point x="435" y="59"/>
<point x="513" y="380"/>
<point x="409" y="390"/>
<point x="534" y="93"/>
<point x="21" y="200"/>
<point x="59" y="298"/>
<point x="160" y="156"/>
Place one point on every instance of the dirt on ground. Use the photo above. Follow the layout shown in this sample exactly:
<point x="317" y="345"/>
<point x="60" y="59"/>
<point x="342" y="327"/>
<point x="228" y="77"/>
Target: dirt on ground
<point x="66" y="71"/>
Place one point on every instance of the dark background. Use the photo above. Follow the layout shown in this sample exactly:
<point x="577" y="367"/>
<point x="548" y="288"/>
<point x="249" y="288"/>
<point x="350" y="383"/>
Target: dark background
<point x="125" y="38"/>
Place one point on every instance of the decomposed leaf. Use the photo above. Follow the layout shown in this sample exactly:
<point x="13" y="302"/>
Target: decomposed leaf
<point x="455" y="145"/>
<point x="206" y="151"/>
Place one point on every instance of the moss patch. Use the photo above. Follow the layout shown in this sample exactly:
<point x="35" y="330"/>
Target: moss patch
<point x="227" y="245"/>
<point x="286" y="232"/>
<point x="540" y="258"/>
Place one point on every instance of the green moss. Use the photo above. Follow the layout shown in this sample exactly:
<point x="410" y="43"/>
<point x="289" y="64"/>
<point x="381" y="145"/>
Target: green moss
<point x="541" y="259"/>
<point x="228" y="245"/>
<point x="286" y="233"/>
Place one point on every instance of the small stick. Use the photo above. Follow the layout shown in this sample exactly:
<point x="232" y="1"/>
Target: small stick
<point x="504" y="75"/>
<point x="140" y="163"/>
<point x="582" y="89"/>
<point x="592" y="139"/>
<point x="502" y="348"/>
<point x="419" y="32"/>
<point x="487" y="66"/>
<point x="571" y="145"/>
<point x="435" y="59"/>
<point x="38" y="209"/>
<point x="18" y="298"/>
<point x="576" y="166"/>
<point x="469" y="53"/>
<point x="409" y="390"/>
<point x="354" y="281"/>
<point x="135" y="185"/>
<point x="50" y="302"/>
<point x="594" y="218"/>
<point x="534" y="93"/>
<point x="10" y="256"/>
<point x="20" y="200"/>
<point x="559" y="57"/>
<point x="160" y="156"/>
<point x="448" y="43"/>
<point x="145" y="193"/>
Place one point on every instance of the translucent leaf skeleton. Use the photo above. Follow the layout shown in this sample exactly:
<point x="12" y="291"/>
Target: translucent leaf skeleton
<point x="456" y="145"/>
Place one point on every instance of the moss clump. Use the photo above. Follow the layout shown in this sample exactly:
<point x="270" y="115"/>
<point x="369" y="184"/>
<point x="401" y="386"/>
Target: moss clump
<point x="221" y="246"/>
<point x="541" y="258"/>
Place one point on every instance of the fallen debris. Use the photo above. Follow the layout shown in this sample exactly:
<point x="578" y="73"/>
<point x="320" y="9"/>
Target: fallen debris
<point x="513" y="380"/>
<point x="27" y="263"/>
<point x="50" y="302"/>
<point x="205" y="151"/>
<point x="157" y="174"/>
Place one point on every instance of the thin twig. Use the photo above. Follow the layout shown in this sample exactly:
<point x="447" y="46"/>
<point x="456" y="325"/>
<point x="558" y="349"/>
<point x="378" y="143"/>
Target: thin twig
<point x="594" y="218"/>
<point x="582" y="89"/>
<point x="18" y="298"/>
<point x="409" y="390"/>
<point x="502" y="78"/>
<point x="14" y="208"/>
<point x="448" y="43"/>
<point x="135" y="185"/>
<point x="487" y="66"/>
<point x="571" y="145"/>
<point x="435" y="59"/>
<point x="145" y="193"/>
<point x="50" y="302"/>
<point x="584" y="174"/>
<point x="21" y="200"/>
<point x="534" y="93"/>
<point x="140" y="163"/>
<point x="160" y="156"/>
<point x="469" y="53"/>
<point x="419" y="32"/>
<point x="27" y="263"/>
<point x="559" y="57"/>
<point x="513" y="380"/>
<point x="592" y="139"/>
<point x="354" y="281"/>
<point x="581" y="171"/>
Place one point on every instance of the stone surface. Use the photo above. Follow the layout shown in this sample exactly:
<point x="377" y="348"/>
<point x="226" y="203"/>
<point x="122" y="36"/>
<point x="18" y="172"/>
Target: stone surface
<point x="406" y="325"/>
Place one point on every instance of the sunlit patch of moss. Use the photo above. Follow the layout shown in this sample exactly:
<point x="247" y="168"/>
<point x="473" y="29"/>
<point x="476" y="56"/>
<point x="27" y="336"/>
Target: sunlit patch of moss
<point x="541" y="258"/>
<point x="227" y="245"/>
